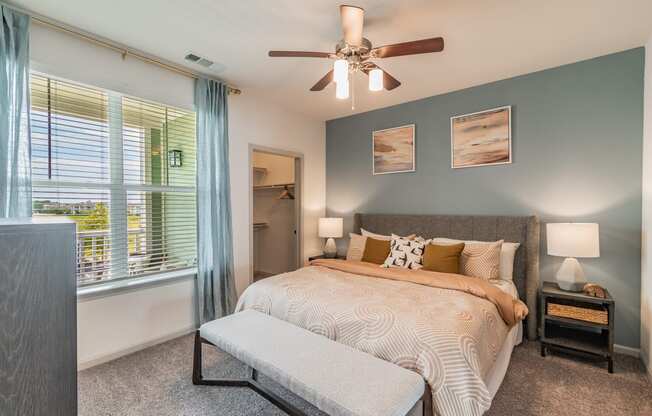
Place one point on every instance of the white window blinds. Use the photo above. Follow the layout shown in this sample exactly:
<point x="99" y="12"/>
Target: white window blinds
<point x="123" y="169"/>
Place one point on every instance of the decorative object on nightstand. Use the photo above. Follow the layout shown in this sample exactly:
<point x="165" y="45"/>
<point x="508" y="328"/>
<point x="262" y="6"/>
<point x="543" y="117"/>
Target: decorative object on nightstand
<point x="330" y="228"/>
<point x="577" y="323"/>
<point x="572" y="240"/>
<point x="597" y="291"/>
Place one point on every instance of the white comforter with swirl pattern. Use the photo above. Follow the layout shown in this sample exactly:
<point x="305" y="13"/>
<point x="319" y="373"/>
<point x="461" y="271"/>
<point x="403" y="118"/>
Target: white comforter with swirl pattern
<point x="449" y="337"/>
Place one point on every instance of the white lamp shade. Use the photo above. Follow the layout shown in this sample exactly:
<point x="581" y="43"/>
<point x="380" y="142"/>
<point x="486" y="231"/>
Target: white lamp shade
<point x="376" y="79"/>
<point x="573" y="239"/>
<point x="342" y="89"/>
<point x="340" y="70"/>
<point x="330" y="227"/>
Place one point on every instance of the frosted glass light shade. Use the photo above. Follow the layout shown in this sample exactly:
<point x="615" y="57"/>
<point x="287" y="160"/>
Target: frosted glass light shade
<point x="330" y="227"/>
<point x="573" y="239"/>
<point x="342" y="89"/>
<point x="376" y="79"/>
<point x="340" y="70"/>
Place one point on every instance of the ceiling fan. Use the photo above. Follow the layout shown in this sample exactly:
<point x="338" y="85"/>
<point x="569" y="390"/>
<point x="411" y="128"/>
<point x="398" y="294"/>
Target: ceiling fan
<point x="354" y="53"/>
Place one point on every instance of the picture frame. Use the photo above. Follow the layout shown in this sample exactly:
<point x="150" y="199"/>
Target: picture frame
<point x="482" y="138"/>
<point x="393" y="150"/>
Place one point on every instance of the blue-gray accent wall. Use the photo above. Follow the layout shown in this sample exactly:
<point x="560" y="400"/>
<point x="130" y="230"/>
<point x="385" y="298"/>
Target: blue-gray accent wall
<point x="576" y="147"/>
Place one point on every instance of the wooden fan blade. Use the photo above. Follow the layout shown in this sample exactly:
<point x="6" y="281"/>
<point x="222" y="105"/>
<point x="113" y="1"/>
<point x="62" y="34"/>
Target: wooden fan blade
<point x="323" y="83"/>
<point x="299" y="54"/>
<point x="409" y="48"/>
<point x="389" y="82"/>
<point x="352" y="21"/>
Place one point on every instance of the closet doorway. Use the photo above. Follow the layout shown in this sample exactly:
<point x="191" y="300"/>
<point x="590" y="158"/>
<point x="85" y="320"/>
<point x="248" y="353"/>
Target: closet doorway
<point x="275" y="211"/>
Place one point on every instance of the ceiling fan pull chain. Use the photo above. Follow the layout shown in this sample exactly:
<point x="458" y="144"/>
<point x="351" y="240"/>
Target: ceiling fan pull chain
<point x="353" y="91"/>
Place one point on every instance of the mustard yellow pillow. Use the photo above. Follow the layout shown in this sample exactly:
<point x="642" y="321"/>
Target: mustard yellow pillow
<point x="442" y="258"/>
<point x="376" y="251"/>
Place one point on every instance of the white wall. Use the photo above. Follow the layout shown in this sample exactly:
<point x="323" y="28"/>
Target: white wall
<point x="254" y="122"/>
<point x="121" y="323"/>
<point x="126" y="321"/>
<point x="62" y="55"/>
<point x="279" y="169"/>
<point x="646" y="248"/>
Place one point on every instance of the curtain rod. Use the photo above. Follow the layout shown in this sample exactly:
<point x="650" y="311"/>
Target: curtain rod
<point x="123" y="50"/>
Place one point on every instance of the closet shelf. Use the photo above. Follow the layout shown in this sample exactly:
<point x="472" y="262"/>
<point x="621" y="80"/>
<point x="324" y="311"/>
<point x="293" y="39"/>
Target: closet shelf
<point x="260" y="225"/>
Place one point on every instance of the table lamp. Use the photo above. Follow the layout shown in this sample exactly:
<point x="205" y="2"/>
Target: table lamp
<point x="572" y="240"/>
<point x="330" y="228"/>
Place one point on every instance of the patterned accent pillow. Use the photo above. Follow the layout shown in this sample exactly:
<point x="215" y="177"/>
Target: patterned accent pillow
<point x="507" y="254"/>
<point x="481" y="260"/>
<point x="405" y="252"/>
<point x="356" y="247"/>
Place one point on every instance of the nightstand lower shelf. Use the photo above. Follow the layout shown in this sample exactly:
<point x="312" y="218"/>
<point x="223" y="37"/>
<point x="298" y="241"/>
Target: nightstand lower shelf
<point x="580" y="341"/>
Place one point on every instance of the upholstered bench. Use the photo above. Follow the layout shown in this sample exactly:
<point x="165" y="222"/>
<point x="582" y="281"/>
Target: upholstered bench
<point x="336" y="378"/>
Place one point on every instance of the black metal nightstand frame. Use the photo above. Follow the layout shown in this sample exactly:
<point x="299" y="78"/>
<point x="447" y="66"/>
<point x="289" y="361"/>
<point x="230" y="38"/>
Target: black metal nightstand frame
<point x="572" y="335"/>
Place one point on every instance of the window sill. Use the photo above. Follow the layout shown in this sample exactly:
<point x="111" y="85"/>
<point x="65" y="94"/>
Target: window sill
<point x="127" y="285"/>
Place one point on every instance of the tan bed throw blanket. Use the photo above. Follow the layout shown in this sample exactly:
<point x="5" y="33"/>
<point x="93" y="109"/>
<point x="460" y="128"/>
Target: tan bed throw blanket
<point x="448" y="328"/>
<point x="511" y="310"/>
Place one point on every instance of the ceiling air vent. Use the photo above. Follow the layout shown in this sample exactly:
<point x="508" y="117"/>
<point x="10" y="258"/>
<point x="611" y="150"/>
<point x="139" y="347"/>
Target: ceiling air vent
<point x="206" y="63"/>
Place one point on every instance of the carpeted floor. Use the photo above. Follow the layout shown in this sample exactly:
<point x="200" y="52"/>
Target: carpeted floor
<point x="157" y="381"/>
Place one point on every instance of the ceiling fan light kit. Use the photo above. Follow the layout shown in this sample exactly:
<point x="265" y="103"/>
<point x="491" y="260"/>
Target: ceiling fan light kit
<point x="354" y="53"/>
<point x="341" y="70"/>
<point x="342" y="89"/>
<point x="376" y="79"/>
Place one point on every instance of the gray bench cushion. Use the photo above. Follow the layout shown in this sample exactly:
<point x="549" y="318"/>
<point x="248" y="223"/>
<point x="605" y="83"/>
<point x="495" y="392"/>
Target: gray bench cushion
<point x="336" y="378"/>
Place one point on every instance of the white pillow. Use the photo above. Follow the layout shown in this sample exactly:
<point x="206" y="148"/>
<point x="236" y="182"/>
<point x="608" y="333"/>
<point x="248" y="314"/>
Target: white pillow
<point x="507" y="254"/>
<point x="366" y="233"/>
<point x="406" y="253"/>
<point x="357" y="244"/>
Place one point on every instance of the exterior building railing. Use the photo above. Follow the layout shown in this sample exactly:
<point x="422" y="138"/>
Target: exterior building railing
<point x="94" y="254"/>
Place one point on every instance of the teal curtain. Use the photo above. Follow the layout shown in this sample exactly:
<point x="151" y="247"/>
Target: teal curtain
<point x="15" y="154"/>
<point x="216" y="295"/>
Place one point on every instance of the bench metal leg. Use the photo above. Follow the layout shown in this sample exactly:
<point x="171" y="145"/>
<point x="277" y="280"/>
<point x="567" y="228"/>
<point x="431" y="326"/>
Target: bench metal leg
<point x="252" y="383"/>
<point x="427" y="401"/>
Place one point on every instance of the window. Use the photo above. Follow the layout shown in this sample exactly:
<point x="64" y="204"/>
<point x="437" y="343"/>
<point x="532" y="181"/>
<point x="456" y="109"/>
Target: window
<point x="123" y="170"/>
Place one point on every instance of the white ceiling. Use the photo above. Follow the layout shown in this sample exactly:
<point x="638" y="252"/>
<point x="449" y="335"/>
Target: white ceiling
<point x="486" y="40"/>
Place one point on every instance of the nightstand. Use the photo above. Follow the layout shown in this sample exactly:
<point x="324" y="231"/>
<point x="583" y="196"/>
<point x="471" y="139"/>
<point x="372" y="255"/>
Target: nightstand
<point x="321" y="256"/>
<point x="577" y="323"/>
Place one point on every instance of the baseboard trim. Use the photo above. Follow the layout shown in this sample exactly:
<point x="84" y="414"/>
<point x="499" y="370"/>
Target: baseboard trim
<point x="83" y="365"/>
<point x="632" y="352"/>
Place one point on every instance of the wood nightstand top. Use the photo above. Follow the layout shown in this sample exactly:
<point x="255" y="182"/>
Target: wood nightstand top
<point x="321" y="256"/>
<point x="550" y="289"/>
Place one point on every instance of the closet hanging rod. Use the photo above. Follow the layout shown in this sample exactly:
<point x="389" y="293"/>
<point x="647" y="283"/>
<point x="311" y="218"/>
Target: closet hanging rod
<point x="123" y="50"/>
<point x="280" y="186"/>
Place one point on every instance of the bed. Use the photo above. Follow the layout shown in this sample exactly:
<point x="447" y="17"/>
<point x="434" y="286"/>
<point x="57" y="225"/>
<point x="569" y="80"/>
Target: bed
<point x="460" y="342"/>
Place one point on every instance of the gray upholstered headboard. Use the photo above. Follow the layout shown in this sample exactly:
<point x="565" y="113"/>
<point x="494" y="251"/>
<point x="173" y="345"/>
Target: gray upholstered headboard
<point x="523" y="230"/>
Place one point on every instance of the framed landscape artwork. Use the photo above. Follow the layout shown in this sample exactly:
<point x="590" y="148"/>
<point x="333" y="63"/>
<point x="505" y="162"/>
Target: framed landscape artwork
<point x="393" y="150"/>
<point x="481" y="139"/>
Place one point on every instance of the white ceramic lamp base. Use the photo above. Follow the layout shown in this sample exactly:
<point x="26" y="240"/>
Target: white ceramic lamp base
<point x="330" y="249"/>
<point x="570" y="275"/>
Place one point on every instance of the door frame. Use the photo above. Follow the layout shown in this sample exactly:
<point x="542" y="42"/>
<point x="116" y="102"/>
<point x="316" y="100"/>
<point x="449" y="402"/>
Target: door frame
<point x="298" y="183"/>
